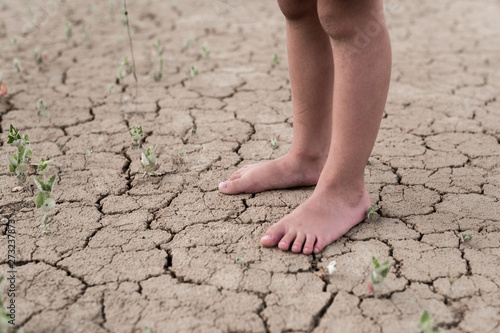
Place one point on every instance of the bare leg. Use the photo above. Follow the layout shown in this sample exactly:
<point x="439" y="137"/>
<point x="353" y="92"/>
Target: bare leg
<point x="362" y="53"/>
<point x="308" y="46"/>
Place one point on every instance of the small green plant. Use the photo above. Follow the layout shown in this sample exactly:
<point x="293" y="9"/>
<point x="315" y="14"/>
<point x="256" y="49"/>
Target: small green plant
<point x="159" y="74"/>
<point x="372" y="214"/>
<point x="45" y="230"/>
<point x="425" y="324"/>
<point x="40" y="56"/>
<point x="19" y="163"/>
<point x="111" y="88"/>
<point x="148" y="329"/>
<point x="85" y="35"/>
<point x="466" y="237"/>
<point x="274" y="143"/>
<point x="188" y="43"/>
<point x="193" y="72"/>
<point x="69" y="30"/>
<point x="41" y="109"/>
<point x="136" y="134"/>
<point x="240" y="258"/>
<point x="89" y="152"/>
<point x="14" y="41"/>
<point x="43" y="200"/>
<point x="158" y="47"/>
<point x="17" y="67"/>
<point x="148" y="162"/>
<point x="378" y="274"/>
<point x="276" y="59"/>
<point x="124" y="68"/>
<point x="42" y="166"/>
<point x="205" y="52"/>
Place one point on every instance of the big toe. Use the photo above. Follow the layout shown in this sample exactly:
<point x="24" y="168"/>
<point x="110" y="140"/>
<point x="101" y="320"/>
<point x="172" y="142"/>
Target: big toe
<point x="273" y="236"/>
<point x="232" y="186"/>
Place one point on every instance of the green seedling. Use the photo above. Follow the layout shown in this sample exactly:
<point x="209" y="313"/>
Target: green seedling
<point x="378" y="274"/>
<point x="193" y="72"/>
<point x="40" y="57"/>
<point x="425" y="324"/>
<point x="158" y="75"/>
<point x="136" y="134"/>
<point x="42" y="167"/>
<point x="111" y="88"/>
<point x="41" y="109"/>
<point x="372" y="214"/>
<point x="147" y="329"/>
<point x="111" y="6"/>
<point x="240" y="258"/>
<point x="274" y="143"/>
<point x="194" y="132"/>
<point x="43" y="200"/>
<point x="85" y="35"/>
<point x="19" y="164"/>
<point x="205" y="52"/>
<point x="15" y="139"/>
<point x="125" y="12"/>
<point x="466" y="237"/>
<point x="45" y="230"/>
<point x="89" y="152"/>
<point x="148" y="162"/>
<point x="14" y="41"/>
<point x="69" y="30"/>
<point x="182" y="153"/>
<point x="124" y="68"/>
<point x="276" y="59"/>
<point x="188" y="43"/>
<point x="158" y="47"/>
<point x="17" y="67"/>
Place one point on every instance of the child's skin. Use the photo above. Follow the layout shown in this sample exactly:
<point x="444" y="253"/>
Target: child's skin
<point x="340" y="62"/>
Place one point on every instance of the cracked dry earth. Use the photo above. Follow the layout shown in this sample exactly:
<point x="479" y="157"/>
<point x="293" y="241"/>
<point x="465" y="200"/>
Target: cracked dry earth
<point x="125" y="252"/>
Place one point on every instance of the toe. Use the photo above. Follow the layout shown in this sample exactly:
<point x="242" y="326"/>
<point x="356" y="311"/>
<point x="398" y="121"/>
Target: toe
<point x="287" y="240"/>
<point x="232" y="186"/>
<point x="319" y="246"/>
<point x="235" y="175"/>
<point x="309" y="245"/>
<point x="273" y="235"/>
<point x="299" y="241"/>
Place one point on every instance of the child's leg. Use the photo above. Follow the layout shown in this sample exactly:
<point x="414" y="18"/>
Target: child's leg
<point x="311" y="75"/>
<point x="362" y="75"/>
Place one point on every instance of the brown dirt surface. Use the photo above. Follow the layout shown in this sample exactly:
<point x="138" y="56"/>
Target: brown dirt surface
<point x="126" y="252"/>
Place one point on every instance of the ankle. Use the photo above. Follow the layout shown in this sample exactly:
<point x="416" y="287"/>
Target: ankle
<point x="308" y="157"/>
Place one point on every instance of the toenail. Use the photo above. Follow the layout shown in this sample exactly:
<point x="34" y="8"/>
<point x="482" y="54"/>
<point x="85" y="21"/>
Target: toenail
<point x="223" y="185"/>
<point x="283" y="243"/>
<point x="295" y="246"/>
<point x="316" y="250"/>
<point x="266" y="237"/>
<point x="306" y="249"/>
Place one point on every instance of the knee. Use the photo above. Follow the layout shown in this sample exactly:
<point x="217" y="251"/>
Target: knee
<point x="297" y="9"/>
<point x="351" y="20"/>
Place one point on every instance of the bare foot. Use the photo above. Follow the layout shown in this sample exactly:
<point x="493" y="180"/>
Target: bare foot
<point x="284" y="172"/>
<point x="323" y="218"/>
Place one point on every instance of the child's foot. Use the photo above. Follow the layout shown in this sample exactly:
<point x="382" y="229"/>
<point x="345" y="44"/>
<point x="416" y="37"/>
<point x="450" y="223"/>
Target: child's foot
<point x="323" y="218"/>
<point x="284" y="172"/>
